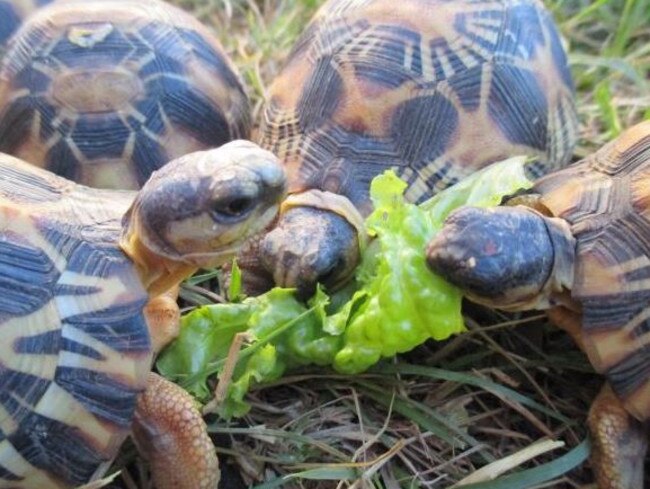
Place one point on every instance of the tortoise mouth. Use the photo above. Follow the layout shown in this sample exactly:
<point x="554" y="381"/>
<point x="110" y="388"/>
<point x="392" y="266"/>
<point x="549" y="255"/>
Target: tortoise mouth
<point x="97" y="91"/>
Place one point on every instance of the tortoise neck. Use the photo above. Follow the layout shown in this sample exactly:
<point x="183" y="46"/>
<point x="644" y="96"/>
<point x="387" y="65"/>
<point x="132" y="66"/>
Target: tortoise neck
<point x="564" y="246"/>
<point x="157" y="274"/>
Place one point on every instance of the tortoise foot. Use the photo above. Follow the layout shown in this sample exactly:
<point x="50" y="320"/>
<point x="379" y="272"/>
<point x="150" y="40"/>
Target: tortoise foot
<point x="170" y="432"/>
<point x="619" y="443"/>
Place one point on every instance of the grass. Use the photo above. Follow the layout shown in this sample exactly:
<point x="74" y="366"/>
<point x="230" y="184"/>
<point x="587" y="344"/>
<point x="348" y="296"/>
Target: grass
<point x="440" y="413"/>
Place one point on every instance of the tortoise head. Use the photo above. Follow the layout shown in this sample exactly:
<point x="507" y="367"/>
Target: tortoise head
<point x="512" y="258"/>
<point x="317" y="239"/>
<point x="197" y="210"/>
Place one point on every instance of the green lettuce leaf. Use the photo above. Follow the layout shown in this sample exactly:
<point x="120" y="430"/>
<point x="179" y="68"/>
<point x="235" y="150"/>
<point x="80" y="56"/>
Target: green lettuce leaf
<point x="395" y="304"/>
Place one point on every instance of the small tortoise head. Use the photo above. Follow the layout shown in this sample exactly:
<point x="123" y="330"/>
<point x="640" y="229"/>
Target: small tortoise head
<point x="197" y="210"/>
<point x="316" y="240"/>
<point x="503" y="257"/>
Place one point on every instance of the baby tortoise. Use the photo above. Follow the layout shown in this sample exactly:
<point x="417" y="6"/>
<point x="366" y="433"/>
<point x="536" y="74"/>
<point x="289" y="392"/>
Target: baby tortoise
<point x="432" y="88"/>
<point x="88" y="282"/>
<point x="582" y="249"/>
<point x="104" y="92"/>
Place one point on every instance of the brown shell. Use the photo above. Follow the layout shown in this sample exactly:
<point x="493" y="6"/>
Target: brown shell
<point x="432" y="88"/>
<point x="606" y="200"/>
<point x="75" y="347"/>
<point x="104" y="92"/>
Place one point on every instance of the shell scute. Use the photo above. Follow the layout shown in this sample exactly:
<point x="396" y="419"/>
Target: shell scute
<point x="520" y="32"/>
<point x="10" y="20"/>
<point x="78" y="85"/>
<point x="604" y="199"/>
<point x="431" y="120"/>
<point x="518" y="105"/>
<point x="100" y="138"/>
<point x="490" y="70"/>
<point x="109" y="46"/>
<point x="391" y="57"/>
<point x="27" y="277"/>
<point x="467" y="85"/>
<point x="100" y="394"/>
<point x="210" y="56"/>
<point x="49" y="445"/>
<point x="76" y="347"/>
<point x="322" y="95"/>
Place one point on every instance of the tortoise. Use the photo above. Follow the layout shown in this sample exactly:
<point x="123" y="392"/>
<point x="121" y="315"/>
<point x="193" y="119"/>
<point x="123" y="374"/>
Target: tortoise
<point x="578" y="244"/>
<point x="88" y="279"/>
<point x="433" y="89"/>
<point x="12" y="15"/>
<point x="104" y="92"/>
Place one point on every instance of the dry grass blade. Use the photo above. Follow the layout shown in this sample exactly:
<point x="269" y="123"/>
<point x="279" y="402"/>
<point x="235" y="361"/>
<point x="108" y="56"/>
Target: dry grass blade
<point x="495" y="469"/>
<point x="101" y="482"/>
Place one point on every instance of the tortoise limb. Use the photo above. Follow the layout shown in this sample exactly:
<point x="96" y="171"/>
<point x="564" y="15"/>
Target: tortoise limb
<point x="170" y="433"/>
<point x="568" y="320"/>
<point x="619" y="443"/>
<point x="163" y="319"/>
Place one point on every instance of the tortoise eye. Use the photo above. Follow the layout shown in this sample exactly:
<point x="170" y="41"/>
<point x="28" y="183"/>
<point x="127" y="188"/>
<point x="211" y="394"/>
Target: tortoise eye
<point x="233" y="208"/>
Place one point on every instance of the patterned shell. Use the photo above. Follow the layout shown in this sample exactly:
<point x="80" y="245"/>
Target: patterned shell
<point x="606" y="200"/>
<point x="75" y="347"/>
<point x="104" y="92"/>
<point x="433" y="88"/>
<point x="13" y="13"/>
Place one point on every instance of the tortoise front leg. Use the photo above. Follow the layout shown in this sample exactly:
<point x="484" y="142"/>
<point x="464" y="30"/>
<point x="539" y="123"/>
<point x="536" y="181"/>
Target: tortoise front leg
<point x="168" y="427"/>
<point x="163" y="319"/>
<point x="619" y="443"/>
<point x="170" y="433"/>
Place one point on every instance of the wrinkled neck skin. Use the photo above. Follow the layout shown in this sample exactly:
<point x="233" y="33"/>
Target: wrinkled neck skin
<point x="562" y="276"/>
<point x="556" y="290"/>
<point x="157" y="274"/>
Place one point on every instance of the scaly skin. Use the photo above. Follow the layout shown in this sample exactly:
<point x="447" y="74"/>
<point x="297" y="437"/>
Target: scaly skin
<point x="170" y="432"/>
<point x="619" y="443"/>
<point x="168" y="428"/>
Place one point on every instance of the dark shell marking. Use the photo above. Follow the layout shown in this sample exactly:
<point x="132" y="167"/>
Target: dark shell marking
<point x="13" y="13"/>
<point x="605" y="199"/>
<point x="73" y="333"/>
<point x="435" y="91"/>
<point x="106" y="102"/>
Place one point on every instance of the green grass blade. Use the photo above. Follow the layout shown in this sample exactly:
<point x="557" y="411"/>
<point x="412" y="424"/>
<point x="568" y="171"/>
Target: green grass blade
<point x="441" y="374"/>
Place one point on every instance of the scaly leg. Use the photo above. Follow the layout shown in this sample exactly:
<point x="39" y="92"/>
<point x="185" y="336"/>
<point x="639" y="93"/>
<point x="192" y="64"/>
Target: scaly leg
<point x="619" y="443"/>
<point x="168" y="427"/>
<point x="171" y="434"/>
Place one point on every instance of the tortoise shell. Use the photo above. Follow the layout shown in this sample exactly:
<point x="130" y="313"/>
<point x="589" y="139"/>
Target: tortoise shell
<point x="104" y="92"/>
<point x="435" y="89"/>
<point x="12" y="15"/>
<point x="605" y="199"/>
<point x="69" y="296"/>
